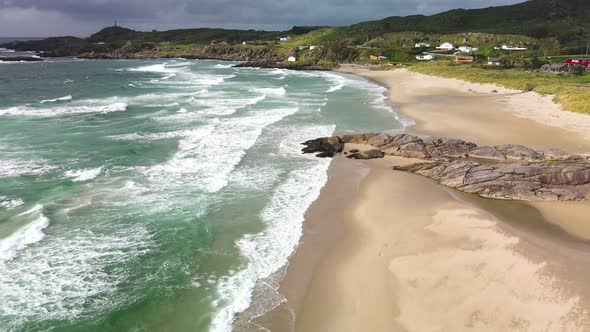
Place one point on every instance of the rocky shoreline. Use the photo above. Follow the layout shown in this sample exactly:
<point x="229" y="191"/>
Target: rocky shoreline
<point x="20" y="59"/>
<point x="513" y="172"/>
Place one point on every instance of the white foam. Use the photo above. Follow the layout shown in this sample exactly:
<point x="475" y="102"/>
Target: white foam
<point x="335" y="87"/>
<point x="219" y="65"/>
<point x="224" y="146"/>
<point x="24" y="236"/>
<point x="269" y="250"/>
<point x="157" y="68"/>
<point x="10" y="203"/>
<point x="69" y="276"/>
<point x="62" y="111"/>
<point x="82" y="175"/>
<point x="17" y="167"/>
<point x="275" y="92"/>
<point x="66" y="98"/>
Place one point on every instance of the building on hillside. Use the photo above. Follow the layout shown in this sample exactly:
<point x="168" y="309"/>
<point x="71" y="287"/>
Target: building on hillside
<point x="421" y="44"/>
<point x="510" y="48"/>
<point x="291" y="59"/>
<point x="381" y="57"/>
<point x="284" y="38"/>
<point x="468" y="49"/>
<point x="249" y="42"/>
<point x="312" y="47"/>
<point x="373" y="58"/>
<point x="577" y="62"/>
<point x="214" y="42"/>
<point x="303" y="47"/>
<point x="464" y="58"/>
<point x="494" y="61"/>
<point x="425" y="57"/>
<point x="446" y="47"/>
<point x="555" y="68"/>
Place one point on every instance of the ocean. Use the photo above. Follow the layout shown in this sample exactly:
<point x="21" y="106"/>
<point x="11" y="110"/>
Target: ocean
<point x="159" y="195"/>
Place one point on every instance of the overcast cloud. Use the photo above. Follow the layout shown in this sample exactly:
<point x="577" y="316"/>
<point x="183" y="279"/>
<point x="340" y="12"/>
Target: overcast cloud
<point x="83" y="17"/>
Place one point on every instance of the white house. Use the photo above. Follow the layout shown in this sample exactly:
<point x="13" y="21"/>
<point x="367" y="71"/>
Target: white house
<point x="425" y="57"/>
<point x="303" y="47"/>
<point x="468" y="49"/>
<point x="421" y="44"/>
<point x="284" y="38"/>
<point x="513" y="48"/>
<point x="446" y="47"/>
<point x="291" y="59"/>
<point x="312" y="47"/>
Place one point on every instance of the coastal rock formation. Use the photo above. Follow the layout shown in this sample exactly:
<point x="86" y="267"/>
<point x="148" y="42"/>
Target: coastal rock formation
<point x="20" y="58"/>
<point x="370" y="154"/>
<point x="500" y="172"/>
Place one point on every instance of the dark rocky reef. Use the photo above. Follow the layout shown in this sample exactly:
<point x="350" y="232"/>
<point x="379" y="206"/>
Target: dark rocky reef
<point x="501" y="172"/>
<point x="20" y="58"/>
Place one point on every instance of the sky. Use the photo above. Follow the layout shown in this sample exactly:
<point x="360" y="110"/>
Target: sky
<point x="44" y="18"/>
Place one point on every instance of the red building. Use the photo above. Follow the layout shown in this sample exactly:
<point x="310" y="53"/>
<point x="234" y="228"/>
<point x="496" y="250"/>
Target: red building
<point x="578" y="62"/>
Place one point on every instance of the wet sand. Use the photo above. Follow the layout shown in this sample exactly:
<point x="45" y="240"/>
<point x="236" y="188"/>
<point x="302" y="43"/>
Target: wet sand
<point x="390" y="251"/>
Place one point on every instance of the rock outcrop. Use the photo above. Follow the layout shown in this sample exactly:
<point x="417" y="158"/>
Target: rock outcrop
<point x="20" y="59"/>
<point x="500" y="172"/>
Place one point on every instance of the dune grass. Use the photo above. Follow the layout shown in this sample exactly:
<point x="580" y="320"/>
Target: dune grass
<point x="573" y="93"/>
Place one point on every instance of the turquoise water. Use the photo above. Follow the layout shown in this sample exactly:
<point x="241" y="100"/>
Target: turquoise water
<point x="158" y="195"/>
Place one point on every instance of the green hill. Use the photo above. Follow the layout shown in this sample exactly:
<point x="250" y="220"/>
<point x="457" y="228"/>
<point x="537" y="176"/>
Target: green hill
<point x="565" y="20"/>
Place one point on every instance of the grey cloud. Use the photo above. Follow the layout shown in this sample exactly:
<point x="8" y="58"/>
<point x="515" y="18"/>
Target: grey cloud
<point x="86" y="16"/>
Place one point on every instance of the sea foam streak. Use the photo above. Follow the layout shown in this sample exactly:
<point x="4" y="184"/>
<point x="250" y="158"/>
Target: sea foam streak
<point x="28" y="234"/>
<point x="10" y="203"/>
<point x="232" y="136"/>
<point x="82" y="175"/>
<point x="269" y="250"/>
<point x="67" y="277"/>
<point x="66" y="98"/>
<point x="62" y="111"/>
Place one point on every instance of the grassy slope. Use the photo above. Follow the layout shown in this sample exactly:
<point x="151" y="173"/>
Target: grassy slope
<point x="572" y="92"/>
<point x="566" y="20"/>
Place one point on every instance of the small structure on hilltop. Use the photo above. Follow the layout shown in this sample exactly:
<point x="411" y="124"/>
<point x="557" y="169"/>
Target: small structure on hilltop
<point x="464" y="58"/>
<point x="249" y="42"/>
<point x="284" y="38"/>
<point x="424" y="57"/>
<point x="510" y="48"/>
<point x="494" y="61"/>
<point x="555" y="68"/>
<point x="291" y="59"/>
<point x="577" y="62"/>
<point x="446" y="47"/>
<point x="421" y="44"/>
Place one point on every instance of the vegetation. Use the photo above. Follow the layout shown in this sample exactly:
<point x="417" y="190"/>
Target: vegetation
<point x="551" y="30"/>
<point x="572" y="92"/>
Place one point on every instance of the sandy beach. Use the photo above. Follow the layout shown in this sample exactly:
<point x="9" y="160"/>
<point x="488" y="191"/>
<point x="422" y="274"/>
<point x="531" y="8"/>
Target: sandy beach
<point x="390" y="251"/>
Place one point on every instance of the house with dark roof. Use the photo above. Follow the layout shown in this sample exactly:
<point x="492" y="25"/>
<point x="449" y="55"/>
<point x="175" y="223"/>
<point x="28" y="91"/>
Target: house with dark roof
<point x="554" y="68"/>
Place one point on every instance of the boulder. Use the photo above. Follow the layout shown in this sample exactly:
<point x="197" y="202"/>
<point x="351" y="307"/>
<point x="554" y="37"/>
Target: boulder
<point x="370" y="154"/>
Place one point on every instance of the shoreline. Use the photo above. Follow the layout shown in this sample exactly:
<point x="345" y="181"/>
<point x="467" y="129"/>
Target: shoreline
<point x="361" y="279"/>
